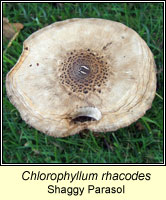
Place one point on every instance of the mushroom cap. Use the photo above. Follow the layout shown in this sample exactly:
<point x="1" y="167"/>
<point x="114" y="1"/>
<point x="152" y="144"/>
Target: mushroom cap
<point x="82" y="74"/>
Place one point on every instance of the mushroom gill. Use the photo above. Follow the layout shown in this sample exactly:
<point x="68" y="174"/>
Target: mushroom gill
<point x="82" y="74"/>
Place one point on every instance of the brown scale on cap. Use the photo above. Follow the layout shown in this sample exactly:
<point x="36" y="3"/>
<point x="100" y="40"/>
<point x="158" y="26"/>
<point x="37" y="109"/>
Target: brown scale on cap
<point x="83" y="71"/>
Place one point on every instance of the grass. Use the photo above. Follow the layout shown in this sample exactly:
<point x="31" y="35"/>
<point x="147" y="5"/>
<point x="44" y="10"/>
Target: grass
<point x="141" y="142"/>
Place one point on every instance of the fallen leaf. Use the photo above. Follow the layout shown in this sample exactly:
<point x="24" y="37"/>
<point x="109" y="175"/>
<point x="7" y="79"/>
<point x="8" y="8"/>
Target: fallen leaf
<point x="10" y="29"/>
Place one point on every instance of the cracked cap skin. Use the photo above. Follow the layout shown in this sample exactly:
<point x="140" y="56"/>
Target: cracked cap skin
<point x="82" y="74"/>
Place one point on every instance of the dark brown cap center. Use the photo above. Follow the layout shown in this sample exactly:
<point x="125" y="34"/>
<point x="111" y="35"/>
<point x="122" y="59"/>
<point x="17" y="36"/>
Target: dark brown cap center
<point x="83" y="71"/>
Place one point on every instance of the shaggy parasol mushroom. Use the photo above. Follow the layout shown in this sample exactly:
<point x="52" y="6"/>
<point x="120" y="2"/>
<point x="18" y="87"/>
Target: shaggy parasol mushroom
<point x="82" y="74"/>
